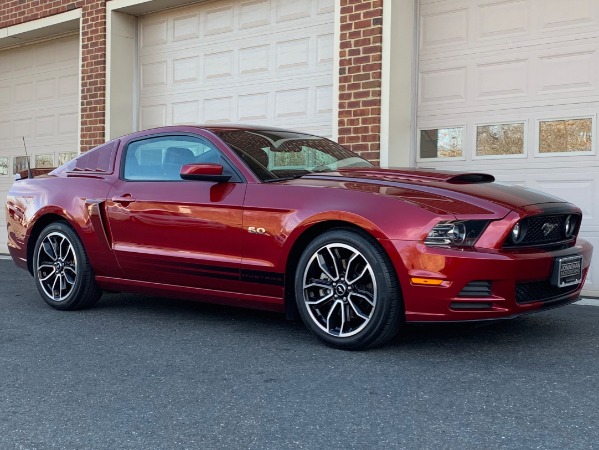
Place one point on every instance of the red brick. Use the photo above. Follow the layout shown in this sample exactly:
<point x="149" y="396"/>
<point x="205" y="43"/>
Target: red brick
<point x="371" y="13"/>
<point x="359" y="60"/>
<point x="373" y="84"/>
<point x="360" y="24"/>
<point x="361" y="94"/>
<point x="369" y="155"/>
<point x="364" y="42"/>
<point x="371" y="49"/>
<point x="361" y="77"/>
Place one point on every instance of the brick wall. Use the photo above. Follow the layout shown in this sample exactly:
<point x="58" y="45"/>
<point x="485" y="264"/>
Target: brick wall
<point x="360" y="71"/>
<point x="93" y="71"/>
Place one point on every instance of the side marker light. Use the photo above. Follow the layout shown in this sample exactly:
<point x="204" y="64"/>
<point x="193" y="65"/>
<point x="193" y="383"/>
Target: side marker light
<point x="426" y="281"/>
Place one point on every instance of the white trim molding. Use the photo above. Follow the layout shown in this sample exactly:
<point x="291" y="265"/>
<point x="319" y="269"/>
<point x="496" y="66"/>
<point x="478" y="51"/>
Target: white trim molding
<point x="121" y="86"/>
<point x="398" y="83"/>
<point x="336" y="67"/>
<point x="35" y="30"/>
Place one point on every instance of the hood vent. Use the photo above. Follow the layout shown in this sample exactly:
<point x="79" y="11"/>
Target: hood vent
<point x="471" y="178"/>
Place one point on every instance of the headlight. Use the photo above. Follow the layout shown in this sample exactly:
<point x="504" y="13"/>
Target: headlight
<point x="459" y="233"/>
<point x="570" y="226"/>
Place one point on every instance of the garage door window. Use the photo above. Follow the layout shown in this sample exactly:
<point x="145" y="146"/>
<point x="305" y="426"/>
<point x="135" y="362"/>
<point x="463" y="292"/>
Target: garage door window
<point x="3" y="165"/>
<point x="65" y="157"/>
<point x="442" y="143"/>
<point x="44" y="161"/>
<point x="572" y="136"/>
<point x="19" y="164"/>
<point x="503" y="139"/>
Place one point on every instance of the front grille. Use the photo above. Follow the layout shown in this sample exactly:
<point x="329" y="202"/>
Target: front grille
<point x="479" y="288"/>
<point x="543" y="231"/>
<point x="541" y="291"/>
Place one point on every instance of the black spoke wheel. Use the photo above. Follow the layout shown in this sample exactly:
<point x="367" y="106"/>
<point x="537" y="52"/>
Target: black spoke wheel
<point x="347" y="291"/>
<point x="61" y="270"/>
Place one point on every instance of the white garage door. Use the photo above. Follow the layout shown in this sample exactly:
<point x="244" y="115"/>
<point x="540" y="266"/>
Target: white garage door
<point x="39" y="101"/>
<point x="512" y="88"/>
<point x="261" y="62"/>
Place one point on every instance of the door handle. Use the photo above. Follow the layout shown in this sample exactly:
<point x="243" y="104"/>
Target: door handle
<point x="124" y="199"/>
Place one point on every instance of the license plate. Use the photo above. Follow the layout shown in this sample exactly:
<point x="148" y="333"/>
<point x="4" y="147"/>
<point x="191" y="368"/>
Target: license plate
<point x="567" y="271"/>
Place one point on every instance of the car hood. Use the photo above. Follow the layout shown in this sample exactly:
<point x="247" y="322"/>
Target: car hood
<point x="438" y="191"/>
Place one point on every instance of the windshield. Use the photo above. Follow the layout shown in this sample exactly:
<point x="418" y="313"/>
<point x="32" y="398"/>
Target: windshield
<point x="277" y="154"/>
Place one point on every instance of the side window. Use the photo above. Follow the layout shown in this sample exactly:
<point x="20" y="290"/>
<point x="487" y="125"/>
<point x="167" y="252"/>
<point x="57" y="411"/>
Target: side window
<point x="161" y="158"/>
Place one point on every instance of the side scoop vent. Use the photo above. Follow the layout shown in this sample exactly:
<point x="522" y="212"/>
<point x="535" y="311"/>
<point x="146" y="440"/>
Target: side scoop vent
<point x="471" y="178"/>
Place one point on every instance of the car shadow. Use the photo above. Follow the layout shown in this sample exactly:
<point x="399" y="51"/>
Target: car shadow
<point x="541" y="329"/>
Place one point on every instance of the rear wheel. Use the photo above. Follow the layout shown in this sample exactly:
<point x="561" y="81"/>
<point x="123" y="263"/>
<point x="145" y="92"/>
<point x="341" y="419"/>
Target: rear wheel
<point x="61" y="269"/>
<point x="347" y="291"/>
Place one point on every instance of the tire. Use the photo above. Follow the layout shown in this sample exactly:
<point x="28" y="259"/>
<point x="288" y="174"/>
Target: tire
<point x="62" y="273"/>
<point x="347" y="291"/>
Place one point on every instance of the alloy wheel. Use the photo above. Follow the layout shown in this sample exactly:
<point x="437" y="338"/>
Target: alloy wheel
<point x="56" y="266"/>
<point x="340" y="290"/>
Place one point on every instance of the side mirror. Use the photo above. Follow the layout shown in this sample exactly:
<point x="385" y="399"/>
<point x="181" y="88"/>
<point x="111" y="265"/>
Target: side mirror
<point x="204" y="172"/>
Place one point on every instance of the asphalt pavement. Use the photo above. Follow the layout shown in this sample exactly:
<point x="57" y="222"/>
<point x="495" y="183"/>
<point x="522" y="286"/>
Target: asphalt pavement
<point x="151" y="373"/>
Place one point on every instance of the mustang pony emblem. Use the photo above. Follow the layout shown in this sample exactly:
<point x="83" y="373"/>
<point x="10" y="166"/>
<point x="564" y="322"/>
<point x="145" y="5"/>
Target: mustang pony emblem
<point x="548" y="228"/>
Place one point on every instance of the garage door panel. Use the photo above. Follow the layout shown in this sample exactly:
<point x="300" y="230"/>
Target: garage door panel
<point x="187" y="27"/>
<point x="502" y="20"/>
<point x="502" y="79"/>
<point x="568" y="72"/>
<point x="265" y="62"/>
<point x="443" y="85"/>
<point x="218" y="20"/>
<point x="529" y="77"/>
<point x="38" y="101"/>
<point x="577" y="189"/>
<point x="315" y="45"/>
<point x="303" y="58"/>
<point x="283" y="105"/>
<point x="486" y="25"/>
<point x="558" y="14"/>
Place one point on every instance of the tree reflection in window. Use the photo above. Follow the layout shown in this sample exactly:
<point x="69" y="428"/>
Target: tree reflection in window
<point x="500" y="139"/>
<point x="565" y="136"/>
<point x="441" y="143"/>
<point x="3" y="165"/>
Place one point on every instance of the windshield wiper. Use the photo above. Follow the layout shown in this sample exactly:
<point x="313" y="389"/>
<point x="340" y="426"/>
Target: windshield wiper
<point x="291" y="177"/>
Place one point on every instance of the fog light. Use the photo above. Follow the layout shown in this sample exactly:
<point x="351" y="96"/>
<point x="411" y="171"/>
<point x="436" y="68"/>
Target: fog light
<point x="570" y="226"/>
<point x="518" y="233"/>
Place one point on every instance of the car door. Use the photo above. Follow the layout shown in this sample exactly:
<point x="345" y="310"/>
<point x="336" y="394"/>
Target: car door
<point x="172" y="231"/>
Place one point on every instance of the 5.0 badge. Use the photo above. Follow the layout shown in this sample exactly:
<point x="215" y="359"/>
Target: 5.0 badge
<point x="256" y="230"/>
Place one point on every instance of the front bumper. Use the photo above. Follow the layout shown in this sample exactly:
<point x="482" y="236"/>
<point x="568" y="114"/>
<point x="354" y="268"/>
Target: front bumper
<point x="514" y="282"/>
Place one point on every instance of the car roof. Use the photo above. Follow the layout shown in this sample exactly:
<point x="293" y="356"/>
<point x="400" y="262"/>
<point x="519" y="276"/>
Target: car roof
<point x="246" y="127"/>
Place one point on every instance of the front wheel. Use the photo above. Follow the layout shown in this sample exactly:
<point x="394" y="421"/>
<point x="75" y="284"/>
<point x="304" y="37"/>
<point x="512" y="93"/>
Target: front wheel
<point x="347" y="291"/>
<point x="61" y="270"/>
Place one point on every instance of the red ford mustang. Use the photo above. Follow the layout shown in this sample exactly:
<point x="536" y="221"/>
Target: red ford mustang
<point x="290" y="222"/>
